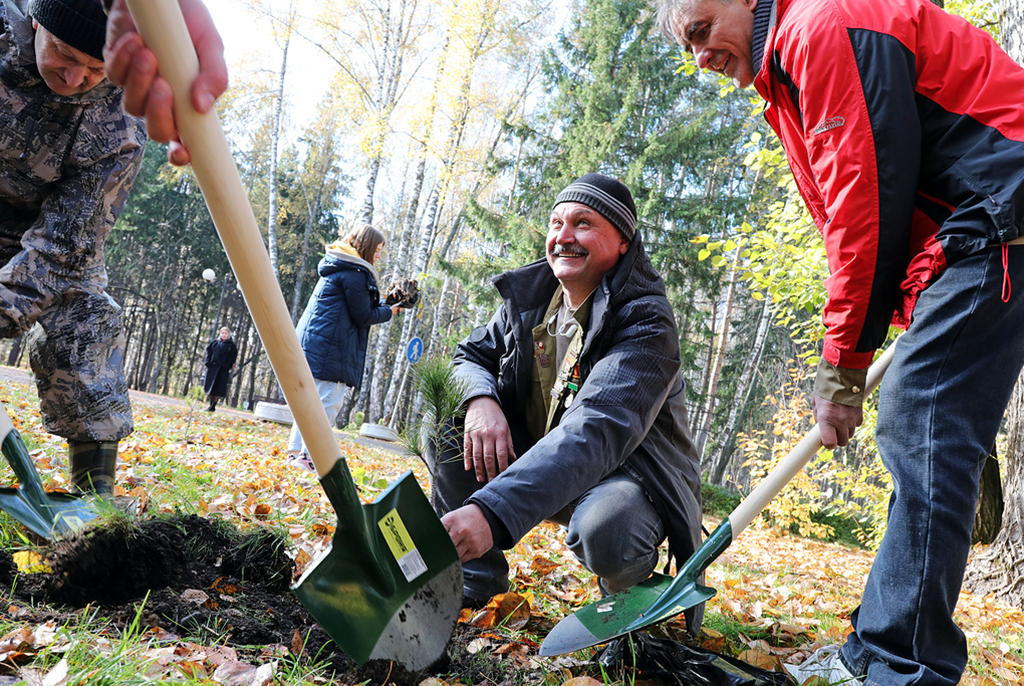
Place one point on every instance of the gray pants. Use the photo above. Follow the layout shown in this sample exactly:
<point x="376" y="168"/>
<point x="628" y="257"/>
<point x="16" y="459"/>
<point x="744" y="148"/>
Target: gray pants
<point x="76" y="351"/>
<point x="77" y="345"/>
<point x="613" y="530"/>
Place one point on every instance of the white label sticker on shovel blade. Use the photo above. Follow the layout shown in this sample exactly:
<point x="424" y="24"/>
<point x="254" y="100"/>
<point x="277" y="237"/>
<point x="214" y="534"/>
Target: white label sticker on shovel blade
<point x="409" y="559"/>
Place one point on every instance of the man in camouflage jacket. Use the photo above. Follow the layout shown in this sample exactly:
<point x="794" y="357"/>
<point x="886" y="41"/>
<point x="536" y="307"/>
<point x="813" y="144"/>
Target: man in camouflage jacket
<point x="68" y="157"/>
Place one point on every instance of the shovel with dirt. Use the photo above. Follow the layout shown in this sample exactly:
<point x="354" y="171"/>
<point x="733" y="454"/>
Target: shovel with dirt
<point x="390" y="586"/>
<point x="662" y="597"/>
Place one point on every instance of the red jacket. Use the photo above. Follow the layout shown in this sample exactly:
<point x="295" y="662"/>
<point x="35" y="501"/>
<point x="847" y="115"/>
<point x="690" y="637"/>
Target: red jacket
<point x="904" y="128"/>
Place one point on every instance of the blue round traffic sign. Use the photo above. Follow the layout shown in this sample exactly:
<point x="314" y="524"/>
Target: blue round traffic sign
<point x="415" y="349"/>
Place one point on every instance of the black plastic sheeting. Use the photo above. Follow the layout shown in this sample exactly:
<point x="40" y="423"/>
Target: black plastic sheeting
<point x="675" y="664"/>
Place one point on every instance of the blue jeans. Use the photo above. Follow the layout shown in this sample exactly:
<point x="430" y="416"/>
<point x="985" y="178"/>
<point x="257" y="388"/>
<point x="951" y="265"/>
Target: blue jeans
<point x="332" y="395"/>
<point x="940" y="407"/>
<point x="613" y="530"/>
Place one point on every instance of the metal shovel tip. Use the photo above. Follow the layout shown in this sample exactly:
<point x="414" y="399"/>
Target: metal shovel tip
<point x="48" y="515"/>
<point x="411" y="627"/>
<point x="418" y="632"/>
<point x="390" y="585"/>
<point x="605" y="619"/>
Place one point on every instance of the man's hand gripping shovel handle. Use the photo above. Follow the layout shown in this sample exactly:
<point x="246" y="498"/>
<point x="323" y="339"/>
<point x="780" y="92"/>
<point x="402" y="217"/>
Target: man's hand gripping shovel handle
<point x="753" y="504"/>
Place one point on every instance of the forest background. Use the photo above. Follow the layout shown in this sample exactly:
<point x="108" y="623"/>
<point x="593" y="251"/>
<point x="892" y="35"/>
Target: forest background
<point x="452" y="125"/>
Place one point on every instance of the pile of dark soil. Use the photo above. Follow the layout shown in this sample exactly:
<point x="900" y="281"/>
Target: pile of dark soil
<point x="8" y="570"/>
<point x="208" y="583"/>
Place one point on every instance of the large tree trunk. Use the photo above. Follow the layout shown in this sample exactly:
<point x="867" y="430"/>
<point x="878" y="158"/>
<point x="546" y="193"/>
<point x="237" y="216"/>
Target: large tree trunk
<point x="15" y="355"/>
<point x="998" y="567"/>
<point x="988" y="515"/>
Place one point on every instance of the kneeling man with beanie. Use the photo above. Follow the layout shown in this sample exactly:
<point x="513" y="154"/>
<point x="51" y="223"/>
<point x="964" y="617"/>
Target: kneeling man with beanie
<point x="68" y="157"/>
<point x="575" y="411"/>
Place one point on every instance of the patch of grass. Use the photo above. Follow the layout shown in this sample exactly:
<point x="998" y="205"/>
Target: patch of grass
<point x="718" y="500"/>
<point x="12" y="533"/>
<point x="845" y="528"/>
<point x="94" y="652"/>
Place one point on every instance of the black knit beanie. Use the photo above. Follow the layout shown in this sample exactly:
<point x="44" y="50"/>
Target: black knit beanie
<point x="608" y="196"/>
<point x="81" y="24"/>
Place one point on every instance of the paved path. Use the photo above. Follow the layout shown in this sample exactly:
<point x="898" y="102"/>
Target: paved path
<point x="23" y="376"/>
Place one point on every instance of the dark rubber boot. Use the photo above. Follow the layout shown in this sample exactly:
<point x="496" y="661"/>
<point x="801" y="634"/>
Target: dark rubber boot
<point x="92" y="466"/>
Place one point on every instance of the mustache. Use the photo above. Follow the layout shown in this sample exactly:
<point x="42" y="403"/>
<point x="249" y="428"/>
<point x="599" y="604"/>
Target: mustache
<point x="560" y="249"/>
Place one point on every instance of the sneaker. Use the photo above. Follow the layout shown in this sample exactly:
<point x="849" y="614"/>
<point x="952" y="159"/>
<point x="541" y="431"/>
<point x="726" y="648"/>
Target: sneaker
<point x="303" y="461"/>
<point x="826" y="665"/>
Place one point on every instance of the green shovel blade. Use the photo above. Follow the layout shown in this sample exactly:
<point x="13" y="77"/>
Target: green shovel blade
<point x="390" y="585"/>
<point x="653" y="601"/>
<point x="58" y="515"/>
<point x="47" y="515"/>
<point x="607" y="617"/>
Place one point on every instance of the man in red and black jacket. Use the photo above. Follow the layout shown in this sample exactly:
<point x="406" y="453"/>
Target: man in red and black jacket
<point x="904" y="128"/>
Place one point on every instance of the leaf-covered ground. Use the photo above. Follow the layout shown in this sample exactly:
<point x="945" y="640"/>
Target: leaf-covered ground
<point x="779" y="596"/>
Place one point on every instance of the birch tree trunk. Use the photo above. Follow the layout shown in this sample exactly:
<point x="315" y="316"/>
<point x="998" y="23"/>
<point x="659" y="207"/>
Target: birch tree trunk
<point x="275" y="136"/>
<point x="717" y="361"/>
<point x="379" y="405"/>
<point x="410" y="323"/>
<point x="727" y="440"/>
<point x="389" y="73"/>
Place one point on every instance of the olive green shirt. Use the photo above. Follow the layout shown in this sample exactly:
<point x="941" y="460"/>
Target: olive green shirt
<point x="543" y="410"/>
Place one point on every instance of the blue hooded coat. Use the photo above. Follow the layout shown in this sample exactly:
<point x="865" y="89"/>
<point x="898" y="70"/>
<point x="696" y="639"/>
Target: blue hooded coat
<point x="335" y="327"/>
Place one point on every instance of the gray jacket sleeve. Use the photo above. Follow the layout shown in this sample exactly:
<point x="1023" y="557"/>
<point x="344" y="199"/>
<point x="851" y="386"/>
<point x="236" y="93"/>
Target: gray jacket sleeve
<point x="478" y="358"/>
<point x="612" y="413"/>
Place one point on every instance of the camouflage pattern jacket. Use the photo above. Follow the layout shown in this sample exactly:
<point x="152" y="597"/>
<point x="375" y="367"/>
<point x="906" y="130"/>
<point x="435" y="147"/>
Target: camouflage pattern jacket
<point x="67" y="164"/>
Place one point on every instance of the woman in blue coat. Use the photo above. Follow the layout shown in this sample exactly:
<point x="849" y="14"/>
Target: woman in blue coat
<point x="335" y="326"/>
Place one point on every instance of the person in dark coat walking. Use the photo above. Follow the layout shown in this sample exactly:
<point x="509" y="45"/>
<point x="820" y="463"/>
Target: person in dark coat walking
<point x="334" y="329"/>
<point x="220" y="361"/>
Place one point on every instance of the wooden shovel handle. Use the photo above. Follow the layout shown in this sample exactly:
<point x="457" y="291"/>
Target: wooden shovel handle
<point x="792" y="463"/>
<point x="163" y="29"/>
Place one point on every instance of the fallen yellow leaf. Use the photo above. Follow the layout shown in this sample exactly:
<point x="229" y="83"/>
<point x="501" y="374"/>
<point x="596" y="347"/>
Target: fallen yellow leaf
<point x="30" y="563"/>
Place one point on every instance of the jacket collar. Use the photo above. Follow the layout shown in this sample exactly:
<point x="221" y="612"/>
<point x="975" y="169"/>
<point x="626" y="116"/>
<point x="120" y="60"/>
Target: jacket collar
<point x="340" y="256"/>
<point x="764" y="22"/>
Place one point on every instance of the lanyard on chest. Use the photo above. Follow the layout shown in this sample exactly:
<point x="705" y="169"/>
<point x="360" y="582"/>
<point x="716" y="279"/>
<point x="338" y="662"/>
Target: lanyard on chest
<point x="567" y="383"/>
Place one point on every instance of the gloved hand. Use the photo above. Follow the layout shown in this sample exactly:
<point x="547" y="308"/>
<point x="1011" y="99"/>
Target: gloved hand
<point x="403" y="292"/>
